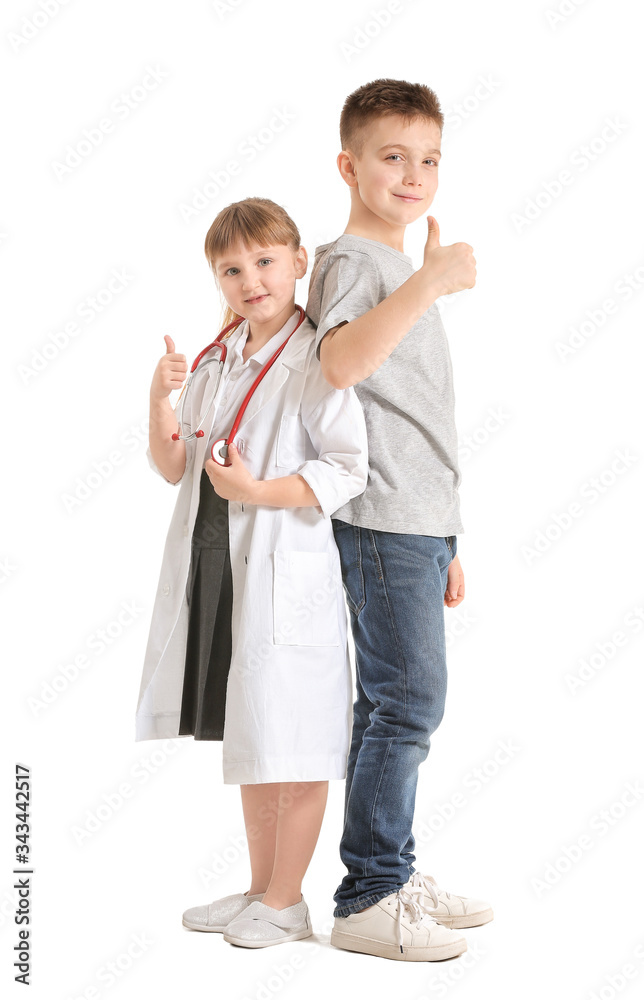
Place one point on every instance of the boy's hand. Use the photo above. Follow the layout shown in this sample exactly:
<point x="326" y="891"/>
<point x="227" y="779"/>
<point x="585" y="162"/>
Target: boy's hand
<point x="170" y="372"/>
<point x="234" y="481"/>
<point x="455" y="584"/>
<point x="450" y="269"/>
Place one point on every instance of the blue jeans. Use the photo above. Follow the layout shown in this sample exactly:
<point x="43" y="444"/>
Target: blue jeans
<point x="394" y="586"/>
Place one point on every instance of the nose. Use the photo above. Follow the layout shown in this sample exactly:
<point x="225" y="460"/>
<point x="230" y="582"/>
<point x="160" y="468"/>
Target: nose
<point x="250" y="280"/>
<point x="412" y="175"/>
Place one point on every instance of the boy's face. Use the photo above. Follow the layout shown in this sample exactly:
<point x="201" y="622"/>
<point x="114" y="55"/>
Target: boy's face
<point x="396" y="175"/>
<point x="259" y="282"/>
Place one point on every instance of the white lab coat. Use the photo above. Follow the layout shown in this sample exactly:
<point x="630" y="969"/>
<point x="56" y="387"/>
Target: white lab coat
<point x="288" y="702"/>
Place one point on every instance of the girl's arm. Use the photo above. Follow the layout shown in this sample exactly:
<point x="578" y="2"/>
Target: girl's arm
<point x="169" y="456"/>
<point x="235" y="482"/>
<point x="287" y="491"/>
<point x="334" y="421"/>
<point x="166" y="456"/>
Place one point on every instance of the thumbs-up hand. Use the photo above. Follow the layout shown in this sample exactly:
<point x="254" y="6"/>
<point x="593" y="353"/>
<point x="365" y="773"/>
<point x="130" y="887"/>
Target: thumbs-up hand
<point x="433" y="234"/>
<point x="170" y="371"/>
<point x="449" y="269"/>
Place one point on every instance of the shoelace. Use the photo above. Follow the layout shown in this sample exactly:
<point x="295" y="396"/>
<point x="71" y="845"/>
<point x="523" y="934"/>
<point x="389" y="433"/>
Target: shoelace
<point x="410" y="904"/>
<point x="429" y="885"/>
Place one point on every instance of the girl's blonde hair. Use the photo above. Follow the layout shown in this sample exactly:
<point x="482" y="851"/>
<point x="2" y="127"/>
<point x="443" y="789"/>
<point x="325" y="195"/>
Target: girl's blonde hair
<point x="253" y="220"/>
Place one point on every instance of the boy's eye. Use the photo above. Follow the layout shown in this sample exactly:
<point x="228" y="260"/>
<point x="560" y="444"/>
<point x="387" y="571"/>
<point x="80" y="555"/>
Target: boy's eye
<point x="231" y="270"/>
<point x="397" y="156"/>
<point x="264" y="260"/>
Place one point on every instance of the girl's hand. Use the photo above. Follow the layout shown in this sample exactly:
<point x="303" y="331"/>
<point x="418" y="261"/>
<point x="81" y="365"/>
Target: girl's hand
<point x="234" y="481"/>
<point x="455" y="584"/>
<point x="170" y="372"/>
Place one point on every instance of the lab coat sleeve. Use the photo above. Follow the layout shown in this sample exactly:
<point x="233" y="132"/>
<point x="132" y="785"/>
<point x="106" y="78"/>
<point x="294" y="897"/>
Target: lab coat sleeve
<point x="190" y="455"/>
<point x="187" y="425"/>
<point x="336" y="426"/>
<point x="155" y="468"/>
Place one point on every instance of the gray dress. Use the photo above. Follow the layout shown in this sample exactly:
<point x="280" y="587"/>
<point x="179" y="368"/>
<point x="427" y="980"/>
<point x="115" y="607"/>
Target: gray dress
<point x="209" y="594"/>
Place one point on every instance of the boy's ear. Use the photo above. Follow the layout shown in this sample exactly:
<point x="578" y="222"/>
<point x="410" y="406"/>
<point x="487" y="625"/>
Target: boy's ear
<point x="346" y="167"/>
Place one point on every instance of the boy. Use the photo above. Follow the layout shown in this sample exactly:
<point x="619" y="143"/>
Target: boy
<point x="378" y="329"/>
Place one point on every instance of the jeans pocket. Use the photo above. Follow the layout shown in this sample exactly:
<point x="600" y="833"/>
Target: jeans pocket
<point x="347" y="537"/>
<point x="305" y="589"/>
<point x="450" y="541"/>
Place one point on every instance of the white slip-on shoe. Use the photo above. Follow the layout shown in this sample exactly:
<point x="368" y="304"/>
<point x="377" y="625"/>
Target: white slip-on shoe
<point x="216" y="916"/>
<point x="398" y="927"/>
<point x="260" y="925"/>
<point x="448" y="908"/>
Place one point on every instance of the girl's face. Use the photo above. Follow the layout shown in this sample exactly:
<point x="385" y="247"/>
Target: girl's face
<point x="259" y="282"/>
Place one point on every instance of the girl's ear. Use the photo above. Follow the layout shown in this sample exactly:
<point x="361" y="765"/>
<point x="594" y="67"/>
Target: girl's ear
<point x="301" y="262"/>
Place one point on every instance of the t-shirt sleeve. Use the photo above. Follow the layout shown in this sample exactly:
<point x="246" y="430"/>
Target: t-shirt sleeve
<point x="348" y="288"/>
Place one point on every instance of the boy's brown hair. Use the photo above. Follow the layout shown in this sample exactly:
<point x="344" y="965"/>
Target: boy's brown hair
<point x="383" y="98"/>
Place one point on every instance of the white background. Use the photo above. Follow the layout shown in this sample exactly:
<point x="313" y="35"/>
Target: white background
<point x="523" y="95"/>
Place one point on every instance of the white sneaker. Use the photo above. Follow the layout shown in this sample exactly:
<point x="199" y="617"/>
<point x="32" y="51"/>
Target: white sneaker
<point x="260" y="925"/>
<point x="398" y="927"/>
<point x="447" y="908"/>
<point x="216" y="916"/>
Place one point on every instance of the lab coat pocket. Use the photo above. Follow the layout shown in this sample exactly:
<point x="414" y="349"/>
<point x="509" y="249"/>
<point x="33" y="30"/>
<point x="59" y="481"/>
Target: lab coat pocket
<point x="290" y="452"/>
<point x="304" y="599"/>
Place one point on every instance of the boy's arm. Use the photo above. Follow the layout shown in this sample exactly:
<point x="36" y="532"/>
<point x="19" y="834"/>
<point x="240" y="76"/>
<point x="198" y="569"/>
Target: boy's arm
<point x="455" y="590"/>
<point x="351" y="351"/>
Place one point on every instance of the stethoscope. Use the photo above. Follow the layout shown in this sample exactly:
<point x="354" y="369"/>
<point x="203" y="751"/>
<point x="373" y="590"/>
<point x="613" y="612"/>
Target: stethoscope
<point x="219" y="450"/>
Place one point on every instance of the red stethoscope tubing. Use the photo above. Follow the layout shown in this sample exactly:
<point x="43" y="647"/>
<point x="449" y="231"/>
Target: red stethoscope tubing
<point x="223" y="443"/>
<point x="217" y="343"/>
<point x="220" y="360"/>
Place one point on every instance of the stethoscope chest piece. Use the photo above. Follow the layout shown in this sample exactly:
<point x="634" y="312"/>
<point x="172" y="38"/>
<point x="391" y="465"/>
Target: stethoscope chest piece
<point x="219" y="452"/>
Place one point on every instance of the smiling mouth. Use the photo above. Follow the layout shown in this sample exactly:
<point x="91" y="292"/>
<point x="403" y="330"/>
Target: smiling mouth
<point x="257" y="298"/>
<point x="407" y="197"/>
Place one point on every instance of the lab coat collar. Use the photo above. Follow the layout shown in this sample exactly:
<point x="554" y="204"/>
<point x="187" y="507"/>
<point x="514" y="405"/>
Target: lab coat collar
<point x="258" y="359"/>
<point x="293" y="356"/>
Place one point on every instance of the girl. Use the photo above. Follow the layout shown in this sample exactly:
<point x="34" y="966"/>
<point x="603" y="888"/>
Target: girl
<point x="248" y="639"/>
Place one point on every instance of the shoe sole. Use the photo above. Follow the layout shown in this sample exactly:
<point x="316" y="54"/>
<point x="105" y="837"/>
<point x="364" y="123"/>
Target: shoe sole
<point x="202" y="927"/>
<point x="296" y="936"/>
<point x="459" y="921"/>
<point x="351" y="942"/>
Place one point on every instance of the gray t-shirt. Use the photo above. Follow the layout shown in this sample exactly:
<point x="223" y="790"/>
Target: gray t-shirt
<point x="408" y="402"/>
